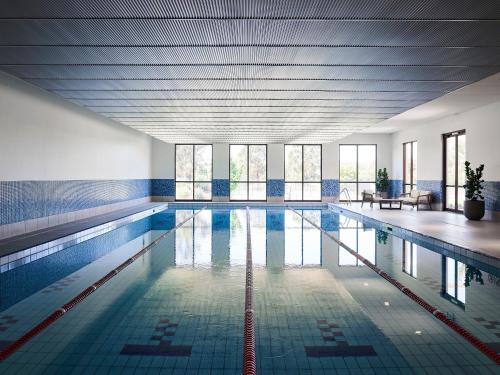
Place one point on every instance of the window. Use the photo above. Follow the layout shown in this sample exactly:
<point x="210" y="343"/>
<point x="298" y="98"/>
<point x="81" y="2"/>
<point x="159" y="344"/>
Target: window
<point x="358" y="169"/>
<point x="410" y="258"/>
<point x="247" y="172"/>
<point x="303" y="172"/>
<point x="409" y="166"/>
<point x="302" y="240"/>
<point x="454" y="170"/>
<point x="357" y="237"/>
<point x="193" y="172"/>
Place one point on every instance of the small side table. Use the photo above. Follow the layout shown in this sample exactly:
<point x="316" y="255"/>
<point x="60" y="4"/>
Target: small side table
<point x="386" y="204"/>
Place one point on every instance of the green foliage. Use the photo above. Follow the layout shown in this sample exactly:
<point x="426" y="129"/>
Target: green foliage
<point x="235" y="174"/>
<point x="473" y="182"/>
<point x="472" y="273"/>
<point x="382" y="237"/>
<point x="382" y="182"/>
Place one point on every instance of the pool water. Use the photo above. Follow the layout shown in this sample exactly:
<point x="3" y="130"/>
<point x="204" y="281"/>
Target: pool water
<point x="318" y="309"/>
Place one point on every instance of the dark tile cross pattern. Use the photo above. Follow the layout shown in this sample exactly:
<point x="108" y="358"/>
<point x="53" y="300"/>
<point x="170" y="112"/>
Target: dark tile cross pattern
<point x="331" y="334"/>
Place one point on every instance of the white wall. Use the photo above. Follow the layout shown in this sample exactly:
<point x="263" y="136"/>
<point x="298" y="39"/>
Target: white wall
<point x="164" y="157"/>
<point x="384" y="152"/>
<point x="482" y="126"/>
<point x="43" y="137"/>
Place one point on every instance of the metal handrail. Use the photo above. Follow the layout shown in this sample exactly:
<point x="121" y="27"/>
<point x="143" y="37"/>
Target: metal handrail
<point x="349" y="201"/>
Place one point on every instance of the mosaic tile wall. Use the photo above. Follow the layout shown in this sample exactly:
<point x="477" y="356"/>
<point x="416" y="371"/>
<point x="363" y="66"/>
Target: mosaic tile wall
<point x="491" y="195"/>
<point x="25" y="200"/>
<point x="220" y="187"/>
<point x="276" y="188"/>
<point x="395" y="188"/>
<point x="163" y="187"/>
<point x="435" y="186"/>
<point x="330" y="188"/>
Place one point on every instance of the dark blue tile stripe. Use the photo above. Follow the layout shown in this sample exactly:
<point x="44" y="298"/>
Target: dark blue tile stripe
<point x="395" y="188"/>
<point x="163" y="187"/>
<point x="330" y="188"/>
<point x="220" y="187"/>
<point x="276" y="188"/>
<point x="491" y="195"/>
<point x="435" y="186"/>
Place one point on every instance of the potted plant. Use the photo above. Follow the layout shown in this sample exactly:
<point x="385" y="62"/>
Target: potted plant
<point x="474" y="200"/>
<point x="382" y="183"/>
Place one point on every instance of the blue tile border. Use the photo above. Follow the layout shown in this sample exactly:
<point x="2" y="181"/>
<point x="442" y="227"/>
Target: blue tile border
<point x="164" y="187"/>
<point x="435" y="186"/>
<point x="220" y="187"/>
<point x="26" y="200"/>
<point x="330" y="188"/>
<point x="276" y="188"/>
<point x="491" y="195"/>
<point x="469" y="256"/>
<point x="395" y="188"/>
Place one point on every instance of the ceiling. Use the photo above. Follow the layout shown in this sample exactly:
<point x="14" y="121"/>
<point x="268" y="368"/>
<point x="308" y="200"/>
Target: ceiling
<point x="274" y="71"/>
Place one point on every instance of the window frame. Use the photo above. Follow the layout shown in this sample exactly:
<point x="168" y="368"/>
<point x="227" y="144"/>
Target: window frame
<point x="454" y="134"/>
<point x="193" y="145"/>
<point x="359" y="226"/>
<point x="302" y="166"/>
<point x="413" y="185"/>
<point x="357" y="182"/>
<point x="247" y="181"/>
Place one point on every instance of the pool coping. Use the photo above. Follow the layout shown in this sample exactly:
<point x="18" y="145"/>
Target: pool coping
<point x="466" y="255"/>
<point x="75" y="234"/>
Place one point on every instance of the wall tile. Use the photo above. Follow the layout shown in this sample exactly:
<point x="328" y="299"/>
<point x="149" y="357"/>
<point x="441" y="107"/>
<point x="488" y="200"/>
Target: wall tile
<point x="220" y="187"/>
<point x="275" y="188"/>
<point x="435" y="186"/>
<point x="330" y="188"/>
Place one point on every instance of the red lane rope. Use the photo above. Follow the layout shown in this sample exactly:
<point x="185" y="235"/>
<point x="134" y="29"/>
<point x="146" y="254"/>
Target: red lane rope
<point x="14" y="346"/>
<point x="249" y="357"/>
<point x="485" y="349"/>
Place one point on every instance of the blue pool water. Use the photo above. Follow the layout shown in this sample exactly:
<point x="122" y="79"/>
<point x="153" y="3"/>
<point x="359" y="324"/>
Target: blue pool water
<point x="318" y="310"/>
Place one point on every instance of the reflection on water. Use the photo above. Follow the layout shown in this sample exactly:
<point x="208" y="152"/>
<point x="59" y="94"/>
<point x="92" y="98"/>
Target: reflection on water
<point x="359" y="238"/>
<point x="455" y="280"/>
<point x="410" y="251"/>
<point x="204" y="240"/>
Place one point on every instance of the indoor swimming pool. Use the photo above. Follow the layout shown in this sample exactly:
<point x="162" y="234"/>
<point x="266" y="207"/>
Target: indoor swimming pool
<point x="179" y="307"/>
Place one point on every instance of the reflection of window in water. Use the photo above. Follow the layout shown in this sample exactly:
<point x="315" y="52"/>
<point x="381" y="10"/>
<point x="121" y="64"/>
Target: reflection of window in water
<point x="455" y="280"/>
<point x="302" y="240"/>
<point x="410" y="258"/>
<point x="238" y="236"/>
<point x="359" y="238"/>
<point x="193" y="240"/>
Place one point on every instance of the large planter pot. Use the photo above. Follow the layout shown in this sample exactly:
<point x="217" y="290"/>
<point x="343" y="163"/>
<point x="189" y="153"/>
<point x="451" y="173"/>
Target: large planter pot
<point x="474" y="210"/>
<point x="384" y="194"/>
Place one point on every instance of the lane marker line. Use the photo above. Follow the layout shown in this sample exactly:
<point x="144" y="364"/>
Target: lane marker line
<point x="15" y="345"/>
<point x="249" y="357"/>
<point x="485" y="349"/>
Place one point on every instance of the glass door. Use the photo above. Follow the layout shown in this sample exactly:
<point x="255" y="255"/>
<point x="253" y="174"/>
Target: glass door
<point x="454" y="171"/>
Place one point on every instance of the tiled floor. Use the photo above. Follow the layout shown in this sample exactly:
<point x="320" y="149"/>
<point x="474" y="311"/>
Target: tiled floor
<point x="481" y="236"/>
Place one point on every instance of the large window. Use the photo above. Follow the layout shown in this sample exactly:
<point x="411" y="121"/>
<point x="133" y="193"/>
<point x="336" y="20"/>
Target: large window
<point x="303" y="172"/>
<point x="454" y="281"/>
<point x="409" y="166"/>
<point x="247" y="172"/>
<point x="358" y="169"/>
<point x="454" y="170"/>
<point x="193" y="172"/>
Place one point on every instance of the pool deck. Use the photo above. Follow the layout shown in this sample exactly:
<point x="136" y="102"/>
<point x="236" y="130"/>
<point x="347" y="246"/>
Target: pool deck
<point x="480" y="236"/>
